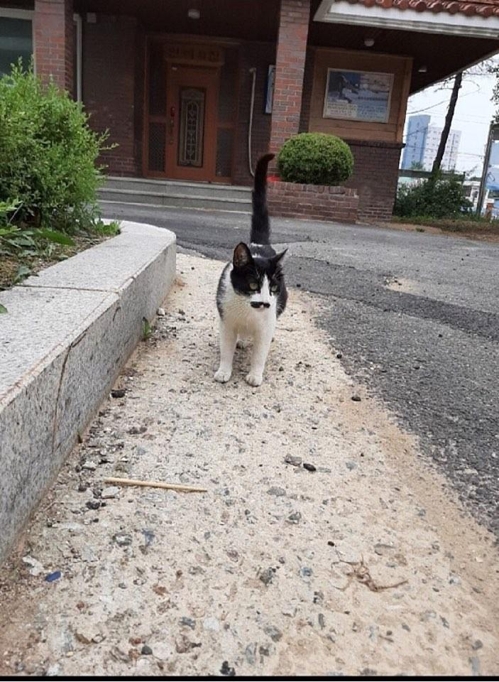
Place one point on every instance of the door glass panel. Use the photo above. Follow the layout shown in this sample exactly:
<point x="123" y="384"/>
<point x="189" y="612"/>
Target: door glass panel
<point x="191" y="128"/>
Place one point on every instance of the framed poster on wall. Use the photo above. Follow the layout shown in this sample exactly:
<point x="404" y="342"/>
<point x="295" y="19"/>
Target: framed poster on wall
<point x="358" y="95"/>
<point x="269" y="89"/>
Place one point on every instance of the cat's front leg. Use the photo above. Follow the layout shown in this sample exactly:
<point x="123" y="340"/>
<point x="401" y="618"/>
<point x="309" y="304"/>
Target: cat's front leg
<point x="261" y="347"/>
<point x="228" y="338"/>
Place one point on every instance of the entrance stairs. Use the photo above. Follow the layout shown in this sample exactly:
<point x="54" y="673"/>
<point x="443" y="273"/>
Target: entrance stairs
<point x="175" y="194"/>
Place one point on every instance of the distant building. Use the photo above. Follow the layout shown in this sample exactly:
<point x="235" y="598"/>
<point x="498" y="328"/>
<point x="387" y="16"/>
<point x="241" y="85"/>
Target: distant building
<point x="422" y="140"/>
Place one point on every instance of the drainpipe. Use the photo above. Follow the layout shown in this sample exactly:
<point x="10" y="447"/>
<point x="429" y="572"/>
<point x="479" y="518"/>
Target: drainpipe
<point x="79" y="55"/>
<point x="250" y="127"/>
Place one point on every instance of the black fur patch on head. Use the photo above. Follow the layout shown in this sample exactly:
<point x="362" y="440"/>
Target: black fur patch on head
<point x="250" y="268"/>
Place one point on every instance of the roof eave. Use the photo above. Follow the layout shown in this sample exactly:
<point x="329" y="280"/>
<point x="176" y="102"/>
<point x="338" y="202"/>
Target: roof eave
<point x="341" y="12"/>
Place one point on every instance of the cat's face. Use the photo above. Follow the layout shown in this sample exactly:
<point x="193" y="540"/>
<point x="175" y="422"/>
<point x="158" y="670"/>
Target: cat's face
<point x="259" y="278"/>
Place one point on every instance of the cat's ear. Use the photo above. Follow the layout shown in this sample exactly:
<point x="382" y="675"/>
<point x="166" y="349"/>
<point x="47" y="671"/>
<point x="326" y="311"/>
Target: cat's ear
<point x="280" y="257"/>
<point x="242" y="256"/>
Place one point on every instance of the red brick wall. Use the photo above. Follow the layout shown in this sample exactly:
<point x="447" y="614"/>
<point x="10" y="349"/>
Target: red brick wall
<point x="313" y="202"/>
<point x="375" y="178"/>
<point x="260" y="56"/>
<point x="110" y="52"/>
<point x="290" y="68"/>
<point x="53" y="40"/>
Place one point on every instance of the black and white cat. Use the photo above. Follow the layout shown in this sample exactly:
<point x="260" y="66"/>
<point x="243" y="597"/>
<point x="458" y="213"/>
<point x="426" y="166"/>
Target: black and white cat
<point x="251" y="292"/>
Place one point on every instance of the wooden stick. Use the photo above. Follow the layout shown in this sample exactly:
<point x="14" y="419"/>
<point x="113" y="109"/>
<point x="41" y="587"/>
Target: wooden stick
<point x="156" y="484"/>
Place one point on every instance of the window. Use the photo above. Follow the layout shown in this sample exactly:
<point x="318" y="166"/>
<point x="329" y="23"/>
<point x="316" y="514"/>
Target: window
<point x="16" y="38"/>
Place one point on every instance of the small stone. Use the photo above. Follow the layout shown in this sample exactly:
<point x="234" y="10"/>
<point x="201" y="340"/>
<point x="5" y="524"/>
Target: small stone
<point x="356" y="398"/>
<point x="35" y="567"/>
<point x="160" y="312"/>
<point x="212" y="624"/>
<point x="188" y="622"/>
<point x="118" y="393"/>
<point x="122" y="539"/>
<point x="250" y="654"/>
<point x="274" y="633"/>
<point x="322" y="621"/>
<point x="93" y="504"/>
<point x="305" y="572"/>
<point x="110" y="493"/>
<point x="309" y="467"/>
<point x="477" y="644"/>
<point x="83" y="487"/>
<point x="89" y="465"/>
<point x="475" y="665"/>
<point x="339" y="355"/>
<point x="146" y="650"/>
<point x="351" y="465"/>
<point x="267" y="576"/>
<point x="294" y="461"/>
<point x="295" y="517"/>
<point x="277" y="492"/>
<point x="227" y="670"/>
<point x="384" y="550"/>
<point x="52" y="577"/>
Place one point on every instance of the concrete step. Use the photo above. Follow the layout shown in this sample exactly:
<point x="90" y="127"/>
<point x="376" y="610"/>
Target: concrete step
<point x="174" y="200"/>
<point x="167" y="187"/>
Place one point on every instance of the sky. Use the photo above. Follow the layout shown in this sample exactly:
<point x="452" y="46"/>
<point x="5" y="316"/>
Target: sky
<point x="472" y="117"/>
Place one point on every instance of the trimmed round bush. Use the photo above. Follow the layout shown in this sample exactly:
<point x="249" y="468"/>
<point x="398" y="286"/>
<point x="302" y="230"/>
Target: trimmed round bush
<point x="315" y="159"/>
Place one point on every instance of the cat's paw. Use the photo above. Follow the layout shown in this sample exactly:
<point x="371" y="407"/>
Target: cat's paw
<point x="254" y="378"/>
<point x="223" y="375"/>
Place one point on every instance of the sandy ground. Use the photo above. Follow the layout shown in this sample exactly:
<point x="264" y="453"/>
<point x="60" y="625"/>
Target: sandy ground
<point x="364" y="566"/>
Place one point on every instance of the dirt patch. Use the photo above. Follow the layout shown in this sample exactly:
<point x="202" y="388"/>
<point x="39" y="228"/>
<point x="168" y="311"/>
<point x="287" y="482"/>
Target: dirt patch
<point x="428" y="229"/>
<point x="359" y="563"/>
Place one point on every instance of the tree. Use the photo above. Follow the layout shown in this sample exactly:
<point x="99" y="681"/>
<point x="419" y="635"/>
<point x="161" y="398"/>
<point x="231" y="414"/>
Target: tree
<point x="458" y="79"/>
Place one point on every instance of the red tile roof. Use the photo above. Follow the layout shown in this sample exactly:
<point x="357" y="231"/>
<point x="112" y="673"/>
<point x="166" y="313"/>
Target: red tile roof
<point x="481" y="8"/>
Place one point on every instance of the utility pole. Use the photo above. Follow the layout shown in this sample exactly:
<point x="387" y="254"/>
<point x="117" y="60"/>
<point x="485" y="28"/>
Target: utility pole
<point x="458" y="78"/>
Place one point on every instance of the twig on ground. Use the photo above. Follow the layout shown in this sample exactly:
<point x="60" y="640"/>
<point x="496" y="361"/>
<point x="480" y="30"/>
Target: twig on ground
<point x="156" y="484"/>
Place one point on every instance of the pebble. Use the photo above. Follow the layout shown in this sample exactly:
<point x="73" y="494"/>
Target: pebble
<point x="188" y="622"/>
<point x="89" y="465"/>
<point x="160" y="312"/>
<point x="309" y="467"/>
<point x="305" y="572"/>
<point x="475" y="666"/>
<point x="118" y="393"/>
<point x="146" y="650"/>
<point x="267" y="576"/>
<point x="274" y="633"/>
<point x="250" y="654"/>
<point x="212" y="624"/>
<point x="52" y="577"/>
<point x="277" y="492"/>
<point x="356" y="398"/>
<point x="93" y="504"/>
<point x="122" y="539"/>
<point x="294" y="461"/>
<point x="295" y="517"/>
<point x="35" y="567"/>
<point x="110" y="493"/>
<point x="477" y="644"/>
<point x="227" y="670"/>
<point x="351" y="465"/>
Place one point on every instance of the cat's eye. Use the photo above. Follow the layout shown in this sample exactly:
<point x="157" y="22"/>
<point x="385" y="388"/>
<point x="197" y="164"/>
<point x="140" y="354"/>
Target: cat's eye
<point x="274" y="288"/>
<point x="253" y="286"/>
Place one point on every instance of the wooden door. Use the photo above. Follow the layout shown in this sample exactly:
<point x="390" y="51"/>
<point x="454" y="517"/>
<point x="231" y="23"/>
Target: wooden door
<point x="192" y="94"/>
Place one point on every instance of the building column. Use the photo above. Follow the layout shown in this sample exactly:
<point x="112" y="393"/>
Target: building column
<point x="290" y="68"/>
<point x="53" y="36"/>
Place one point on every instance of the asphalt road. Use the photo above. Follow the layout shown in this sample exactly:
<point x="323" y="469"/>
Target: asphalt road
<point x="416" y="317"/>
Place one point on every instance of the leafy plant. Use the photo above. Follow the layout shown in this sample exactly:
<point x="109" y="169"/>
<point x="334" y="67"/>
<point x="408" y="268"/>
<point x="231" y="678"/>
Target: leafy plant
<point x="434" y="198"/>
<point x="316" y="159"/>
<point x="48" y="155"/>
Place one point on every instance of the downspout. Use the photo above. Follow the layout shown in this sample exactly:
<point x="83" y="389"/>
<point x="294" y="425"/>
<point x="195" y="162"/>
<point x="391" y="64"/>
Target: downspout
<point x="250" y="127"/>
<point x="79" y="55"/>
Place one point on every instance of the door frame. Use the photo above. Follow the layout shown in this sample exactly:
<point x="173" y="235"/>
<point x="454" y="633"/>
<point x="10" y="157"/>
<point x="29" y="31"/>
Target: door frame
<point x="173" y="44"/>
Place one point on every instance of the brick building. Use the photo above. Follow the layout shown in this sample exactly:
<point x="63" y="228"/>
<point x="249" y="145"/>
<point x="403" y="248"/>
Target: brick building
<point x="196" y="90"/>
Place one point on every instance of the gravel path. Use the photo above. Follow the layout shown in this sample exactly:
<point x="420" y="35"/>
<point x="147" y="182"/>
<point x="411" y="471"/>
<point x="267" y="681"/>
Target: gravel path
<point x="358" y="563"/>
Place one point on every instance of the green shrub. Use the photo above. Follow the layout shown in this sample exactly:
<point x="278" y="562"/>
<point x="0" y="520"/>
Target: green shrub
<point x="48" y="155"/>
<point x="315" y="159"/>
<point x="434" y="198"/>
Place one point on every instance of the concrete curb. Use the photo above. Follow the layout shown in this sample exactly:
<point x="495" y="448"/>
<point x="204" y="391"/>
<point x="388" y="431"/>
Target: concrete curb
<point x="63" y="342"/>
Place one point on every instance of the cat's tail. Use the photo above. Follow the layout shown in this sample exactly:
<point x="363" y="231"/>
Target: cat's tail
<point x="260" y="225"/>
